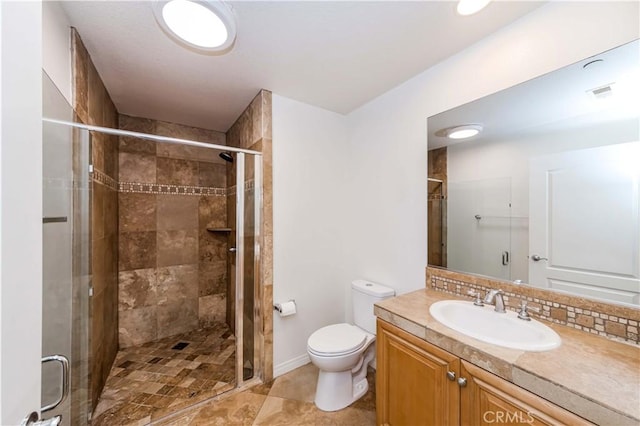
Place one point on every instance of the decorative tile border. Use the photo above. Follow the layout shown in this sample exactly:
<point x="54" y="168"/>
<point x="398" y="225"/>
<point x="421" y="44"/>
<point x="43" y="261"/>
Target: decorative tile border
<point x="100" y="177"/>
<point x="104" y="179"/>
<point x="248" y="187"/>
<point x="154" y="188"/>
<point x="615" y="322"/>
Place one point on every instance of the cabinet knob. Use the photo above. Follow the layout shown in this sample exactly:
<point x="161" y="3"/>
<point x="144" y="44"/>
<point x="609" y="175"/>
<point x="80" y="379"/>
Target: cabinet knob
<point x="462" y="382"/>
<point x="451" y="375"/>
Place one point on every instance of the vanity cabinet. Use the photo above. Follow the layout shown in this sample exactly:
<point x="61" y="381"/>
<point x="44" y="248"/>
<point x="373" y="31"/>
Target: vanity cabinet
<point x="412" y="387"/>
<point x="487" y="399"/>
<point x="420" y="384"/>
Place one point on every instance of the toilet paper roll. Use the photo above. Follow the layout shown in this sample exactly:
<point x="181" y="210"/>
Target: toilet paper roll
<point x="287" y="308"/>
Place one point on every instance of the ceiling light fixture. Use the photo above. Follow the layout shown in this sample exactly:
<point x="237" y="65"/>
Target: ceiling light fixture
<point x="469" y="7"/>
<point x="463" y="132"/>
<point x="204" y="26"/>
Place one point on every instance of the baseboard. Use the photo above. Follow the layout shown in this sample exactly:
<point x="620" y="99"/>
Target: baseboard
<point x="292" y="364"/>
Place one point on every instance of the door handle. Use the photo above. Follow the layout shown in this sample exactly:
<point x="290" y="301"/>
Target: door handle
<point x="537" y="258"/>
<point x="65" y="374"/>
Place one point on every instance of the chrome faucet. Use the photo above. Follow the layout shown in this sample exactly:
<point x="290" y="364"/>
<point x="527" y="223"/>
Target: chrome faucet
<point x="495" y="297"/>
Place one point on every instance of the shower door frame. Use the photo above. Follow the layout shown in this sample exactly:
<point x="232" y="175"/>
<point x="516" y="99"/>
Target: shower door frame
<point x="258" y="310"/>
<point x="240" y="259"/>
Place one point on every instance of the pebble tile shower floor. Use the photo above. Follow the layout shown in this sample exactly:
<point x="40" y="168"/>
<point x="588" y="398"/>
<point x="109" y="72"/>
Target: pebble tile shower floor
<point x="153" y="380"/>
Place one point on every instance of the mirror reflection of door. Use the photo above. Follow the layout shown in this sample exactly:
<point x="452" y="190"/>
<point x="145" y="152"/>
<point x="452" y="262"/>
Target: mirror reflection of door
<point x="584" y="216"/>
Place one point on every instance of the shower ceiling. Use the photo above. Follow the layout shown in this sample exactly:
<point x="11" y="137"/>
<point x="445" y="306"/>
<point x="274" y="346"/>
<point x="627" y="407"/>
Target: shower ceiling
<point x="335" y="55"/>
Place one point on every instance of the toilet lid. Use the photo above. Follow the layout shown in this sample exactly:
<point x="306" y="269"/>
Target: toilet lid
<point x="337" y="339"/>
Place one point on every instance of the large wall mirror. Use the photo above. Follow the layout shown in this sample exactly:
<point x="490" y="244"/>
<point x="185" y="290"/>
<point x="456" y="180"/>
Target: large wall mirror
<point x="547" y="192"/>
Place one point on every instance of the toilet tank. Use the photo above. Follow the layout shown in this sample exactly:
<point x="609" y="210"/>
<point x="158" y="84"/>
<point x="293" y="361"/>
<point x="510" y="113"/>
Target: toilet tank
<point x="363" y="295"/>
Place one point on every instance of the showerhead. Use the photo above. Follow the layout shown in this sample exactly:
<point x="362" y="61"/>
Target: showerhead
<point x="226" y="156"/>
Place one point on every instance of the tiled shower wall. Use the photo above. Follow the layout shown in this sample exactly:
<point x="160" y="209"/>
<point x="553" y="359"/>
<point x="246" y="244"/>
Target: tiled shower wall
<point x="93" y="105"/>
<point x="172" y="272"/>
<point x="252" y="130"/>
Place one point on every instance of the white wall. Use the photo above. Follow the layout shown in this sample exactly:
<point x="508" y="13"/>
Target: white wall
<point x="56" y="47"/>
<point x="309" y="165"/>
<point x="20" y="208"/>
<point x="388" y="224"/>
<point x="350" y="192"/>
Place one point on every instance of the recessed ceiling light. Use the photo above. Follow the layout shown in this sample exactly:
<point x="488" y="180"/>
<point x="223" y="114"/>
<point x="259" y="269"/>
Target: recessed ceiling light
<point x="469" y="7"/>
<point x="463" y="132"/>
<point x="205" y="26"/>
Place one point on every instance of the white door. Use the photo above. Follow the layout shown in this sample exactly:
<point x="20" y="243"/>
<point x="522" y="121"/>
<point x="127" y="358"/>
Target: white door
<point x="584" y="222"/>
<point x="20" y="209"/>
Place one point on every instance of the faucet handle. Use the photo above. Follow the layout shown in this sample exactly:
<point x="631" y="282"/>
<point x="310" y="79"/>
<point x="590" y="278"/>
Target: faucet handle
<point x="524" y="314"/>
<point x="476" y="294"/>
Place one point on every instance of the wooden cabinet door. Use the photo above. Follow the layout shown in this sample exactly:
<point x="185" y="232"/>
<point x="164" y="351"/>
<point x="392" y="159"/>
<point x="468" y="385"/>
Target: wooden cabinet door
<point x="489" y="400"/>
<point x="412" y="387"/>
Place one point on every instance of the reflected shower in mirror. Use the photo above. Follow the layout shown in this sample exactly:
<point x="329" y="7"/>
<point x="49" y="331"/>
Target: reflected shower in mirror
<point x="547" y="193"/>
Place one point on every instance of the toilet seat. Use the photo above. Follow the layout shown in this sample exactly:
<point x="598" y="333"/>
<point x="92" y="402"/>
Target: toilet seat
<point x="336" y="340"/>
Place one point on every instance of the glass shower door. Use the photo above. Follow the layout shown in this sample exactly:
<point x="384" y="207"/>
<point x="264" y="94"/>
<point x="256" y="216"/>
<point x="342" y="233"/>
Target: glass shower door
<point x="66" y="269"/>
<point x="249" y="204"/>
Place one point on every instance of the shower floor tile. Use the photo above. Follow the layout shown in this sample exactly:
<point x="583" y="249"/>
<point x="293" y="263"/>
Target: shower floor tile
<point x="167" y="375"/>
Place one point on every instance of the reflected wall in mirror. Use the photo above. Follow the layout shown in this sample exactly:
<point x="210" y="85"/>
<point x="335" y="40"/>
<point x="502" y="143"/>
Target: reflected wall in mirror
<point x="547" y="194"/>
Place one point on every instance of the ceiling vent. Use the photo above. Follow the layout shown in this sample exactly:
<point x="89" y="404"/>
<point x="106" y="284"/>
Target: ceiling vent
<point x="601" y="92"/>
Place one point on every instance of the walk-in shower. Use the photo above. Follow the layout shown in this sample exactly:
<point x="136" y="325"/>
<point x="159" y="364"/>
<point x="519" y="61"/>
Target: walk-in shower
<point x="151" y="286"/>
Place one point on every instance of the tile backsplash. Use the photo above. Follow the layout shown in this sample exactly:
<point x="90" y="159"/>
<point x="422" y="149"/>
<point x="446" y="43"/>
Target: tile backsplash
<point x="615" y="322"/>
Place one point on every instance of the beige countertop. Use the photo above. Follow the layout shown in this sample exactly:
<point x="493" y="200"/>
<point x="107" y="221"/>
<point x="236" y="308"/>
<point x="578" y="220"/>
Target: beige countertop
<point x="589" y="375"/>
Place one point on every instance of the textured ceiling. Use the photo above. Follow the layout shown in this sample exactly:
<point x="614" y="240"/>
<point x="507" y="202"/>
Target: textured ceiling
<point x="335" y="55"/>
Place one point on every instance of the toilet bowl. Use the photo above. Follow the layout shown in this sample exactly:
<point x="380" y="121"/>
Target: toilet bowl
<point x="342" y="352"/>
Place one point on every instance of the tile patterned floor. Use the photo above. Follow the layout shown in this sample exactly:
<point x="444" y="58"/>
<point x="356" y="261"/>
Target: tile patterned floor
<point x="149" y="382"/>
<point x="287" y="401"/>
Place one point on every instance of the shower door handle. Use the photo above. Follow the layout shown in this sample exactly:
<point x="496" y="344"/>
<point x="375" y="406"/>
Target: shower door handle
<point x="65" y="375"/>
<point x="33" y="419"/>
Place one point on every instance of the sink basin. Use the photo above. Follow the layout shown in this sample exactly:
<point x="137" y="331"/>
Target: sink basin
<point x="483" y="323"/>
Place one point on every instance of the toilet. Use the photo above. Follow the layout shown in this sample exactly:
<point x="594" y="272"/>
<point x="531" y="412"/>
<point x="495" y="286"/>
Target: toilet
<point x="343" y="351"/>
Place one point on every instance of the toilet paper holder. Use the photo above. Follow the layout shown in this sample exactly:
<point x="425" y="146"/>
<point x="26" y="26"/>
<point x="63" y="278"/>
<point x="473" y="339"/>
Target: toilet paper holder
<point x="278" y="306"/>
<point x="286" y="309"/>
